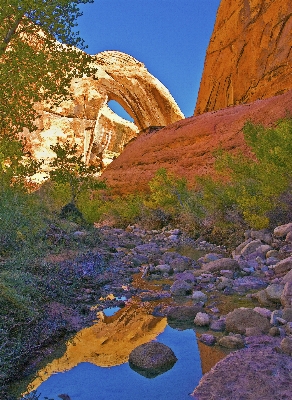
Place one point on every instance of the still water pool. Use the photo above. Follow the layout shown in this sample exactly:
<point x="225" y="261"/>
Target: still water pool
<point x="87" y="381"/>
<point x="95" y="362"/>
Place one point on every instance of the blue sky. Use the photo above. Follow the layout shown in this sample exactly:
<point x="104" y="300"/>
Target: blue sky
<point x="169" y="36"/>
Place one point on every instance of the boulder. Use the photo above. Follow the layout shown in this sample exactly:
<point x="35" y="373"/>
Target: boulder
<point x="287" y="314"/>
<point x="183" y="316"/>
<point x="286" y="298"/>
<point x="282" y="230"/>
<point x="283" y="266"/>
<point x="199" y="296"/>
<point x="287" y="278"/>
<point x="181" y="288"/>
<point x="221" y="264"/>
<point x="218" y="325"/>
<point x="263" y="235"/>
<point x="232" y="342"/>
<point x="241" y="318"/>
<point x="207" y="339"/>
<point x="251" y="247"/>
<point x="152" y="359"/>
<point x="202" y="319"/>
<point x="286" y="346"/>
<point x="274" y="292"/>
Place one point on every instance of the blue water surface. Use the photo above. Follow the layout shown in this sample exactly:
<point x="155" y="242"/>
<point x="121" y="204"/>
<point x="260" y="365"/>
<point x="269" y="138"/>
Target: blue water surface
<point x="89" y="382"/>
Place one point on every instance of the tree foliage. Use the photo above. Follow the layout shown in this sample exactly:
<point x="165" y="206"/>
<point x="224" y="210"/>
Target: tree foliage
<point x="68" y="168"/>
<point x="255" y="185"/>
<point x="35" y="63"/>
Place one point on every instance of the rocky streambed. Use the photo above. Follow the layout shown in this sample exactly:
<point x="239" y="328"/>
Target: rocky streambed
<point x="240" y="302"/>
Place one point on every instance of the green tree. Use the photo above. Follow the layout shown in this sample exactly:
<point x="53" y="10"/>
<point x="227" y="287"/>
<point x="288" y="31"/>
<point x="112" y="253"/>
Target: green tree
<point x="35" y="63"/>
<point x="69" y="169"/>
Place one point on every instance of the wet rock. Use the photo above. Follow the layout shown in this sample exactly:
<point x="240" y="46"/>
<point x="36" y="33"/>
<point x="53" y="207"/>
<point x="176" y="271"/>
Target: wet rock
<point x="202" y="319"/>
<point x="183" y="316"/>
<point x="232" y="342"/>
<point x="152" y="359"/>
<point x="274" y="292"/>
<point x="241" y="318"/>
<point x="181" y="288"/>
<point x="207" y="339"/>
<point x="221" y="264"/>
<point x="286" y="346"/>
<point x="199" y="296"/>
<point x="283" y="266"/>
<point x="282" y="230"/>
<point x="286" y="297"/>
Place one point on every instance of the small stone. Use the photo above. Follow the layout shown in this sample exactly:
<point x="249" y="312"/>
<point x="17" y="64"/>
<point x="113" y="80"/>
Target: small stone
<point x="283" y="266"/>
<point x="282" y="230"/>
<point x="274" y="331"/>
<point x="232" y="342"/>
<point x="287" y="314"/>
<point x="286" y="346"/>
<point x="263" y="311"/>
<point x="218" y="325"/>
<point x="286" y="298"/>
<point x="274" y="317"/>
<point x="202" y="319"/>
<point x="288" y="328"/>
<point x="274" y="292"/>
<point x="199" y="296"/>
<point x="207" y="339"/>
<point x="181" y="288"/>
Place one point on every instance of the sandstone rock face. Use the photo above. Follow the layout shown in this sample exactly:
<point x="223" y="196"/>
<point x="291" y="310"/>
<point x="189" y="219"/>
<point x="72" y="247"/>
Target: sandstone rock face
<point x="185" y="148"/>
<point x="249" y="55"/>
<point x="86" y="119"/>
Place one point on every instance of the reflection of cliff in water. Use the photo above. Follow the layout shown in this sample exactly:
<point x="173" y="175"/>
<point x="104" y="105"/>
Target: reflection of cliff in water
<point x="108" y="342"/>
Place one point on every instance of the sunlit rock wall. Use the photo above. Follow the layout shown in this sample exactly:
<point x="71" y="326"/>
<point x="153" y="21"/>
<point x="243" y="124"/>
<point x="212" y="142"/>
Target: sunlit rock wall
<point x="249" y="55"/>
<point x="86" y="119"/>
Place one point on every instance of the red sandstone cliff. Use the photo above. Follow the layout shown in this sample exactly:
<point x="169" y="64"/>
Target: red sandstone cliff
<point x="249" y="56"/>
<point x="185" y="147"/>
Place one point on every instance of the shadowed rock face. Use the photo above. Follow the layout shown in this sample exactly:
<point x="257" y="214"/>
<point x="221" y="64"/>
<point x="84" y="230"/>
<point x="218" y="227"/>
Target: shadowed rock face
<point x="249" y="56"/>
<point x="185" y="148"/>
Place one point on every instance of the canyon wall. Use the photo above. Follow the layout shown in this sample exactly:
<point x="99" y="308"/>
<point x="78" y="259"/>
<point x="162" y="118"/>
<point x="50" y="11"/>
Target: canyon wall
<point x="249" y="55"/>
<point x="186" y="147"/>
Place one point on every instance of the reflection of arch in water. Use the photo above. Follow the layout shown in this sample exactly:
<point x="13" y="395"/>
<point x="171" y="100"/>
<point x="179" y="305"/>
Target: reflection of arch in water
<point x="124" y="79"/>
<point x="107" y="343"/>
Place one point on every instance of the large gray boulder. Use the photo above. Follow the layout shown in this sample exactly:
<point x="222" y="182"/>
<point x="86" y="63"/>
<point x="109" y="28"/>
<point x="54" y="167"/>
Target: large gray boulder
<point x="238" y="320"/>
<point x="152" y="359"/>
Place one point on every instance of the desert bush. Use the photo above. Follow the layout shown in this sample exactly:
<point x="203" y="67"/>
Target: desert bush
<point x="252" y="186"/>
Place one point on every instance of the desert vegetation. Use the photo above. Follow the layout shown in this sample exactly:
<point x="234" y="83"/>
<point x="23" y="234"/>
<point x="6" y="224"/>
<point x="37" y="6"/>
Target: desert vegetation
<point x="247" y="193"/>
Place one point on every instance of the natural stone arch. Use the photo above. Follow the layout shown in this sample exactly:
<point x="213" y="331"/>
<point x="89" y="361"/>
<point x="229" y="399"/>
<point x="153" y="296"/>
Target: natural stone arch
<point x="86" y="119"/>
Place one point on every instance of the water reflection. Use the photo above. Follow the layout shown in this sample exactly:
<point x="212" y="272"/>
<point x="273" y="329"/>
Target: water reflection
<point x="108" y="342"/>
